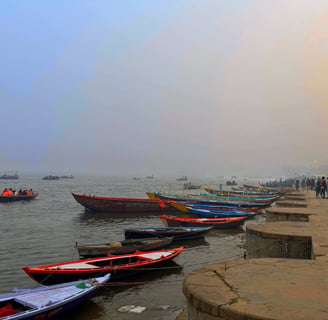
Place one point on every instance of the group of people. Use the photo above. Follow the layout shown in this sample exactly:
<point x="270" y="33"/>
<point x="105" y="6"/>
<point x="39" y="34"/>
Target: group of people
<point x="20" y="192"/>
<point x="321" y="188"/>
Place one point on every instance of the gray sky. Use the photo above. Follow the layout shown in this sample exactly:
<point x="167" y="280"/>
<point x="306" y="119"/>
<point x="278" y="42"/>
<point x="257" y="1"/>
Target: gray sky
<point x="163" y="87"/>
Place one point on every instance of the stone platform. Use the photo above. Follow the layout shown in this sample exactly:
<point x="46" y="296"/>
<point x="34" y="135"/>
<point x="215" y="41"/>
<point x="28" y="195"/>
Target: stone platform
<point x="272" y="286"/>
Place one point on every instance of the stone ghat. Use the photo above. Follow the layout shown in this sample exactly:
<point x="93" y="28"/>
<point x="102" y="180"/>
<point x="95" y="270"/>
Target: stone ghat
<point x="284" y="275"/>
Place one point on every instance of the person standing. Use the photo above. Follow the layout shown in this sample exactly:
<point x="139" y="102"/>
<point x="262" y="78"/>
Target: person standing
<point x="317" y="188"/>
<point x="323" y="187"/>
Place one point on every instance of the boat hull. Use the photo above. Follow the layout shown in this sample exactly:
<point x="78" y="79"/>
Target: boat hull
<point x="32" y="304"/>
<point x="119" y="266"/>
<point x="123" y="205"/>
<point x="123" y="247"/>
<point x="179" y="233"/>
<point x="18" y="198"/>
<point x="219" y="223"/>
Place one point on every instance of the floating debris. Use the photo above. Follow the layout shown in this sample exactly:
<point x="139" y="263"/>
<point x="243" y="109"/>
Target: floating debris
<point x="165" y="307"/>
<point x="131" y="308"/>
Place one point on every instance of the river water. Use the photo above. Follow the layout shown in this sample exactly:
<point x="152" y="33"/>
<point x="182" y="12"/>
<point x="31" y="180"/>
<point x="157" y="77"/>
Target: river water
<point x="45" y="230"/>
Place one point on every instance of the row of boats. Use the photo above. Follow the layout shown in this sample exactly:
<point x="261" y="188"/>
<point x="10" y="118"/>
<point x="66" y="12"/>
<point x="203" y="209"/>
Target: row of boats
<point x="69" y="283"/>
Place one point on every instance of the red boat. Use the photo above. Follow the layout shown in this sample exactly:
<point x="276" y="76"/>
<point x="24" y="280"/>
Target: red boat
<point x="221" y="223"/>
<point x="123" y="205"/>
<point x="119" y="266"/>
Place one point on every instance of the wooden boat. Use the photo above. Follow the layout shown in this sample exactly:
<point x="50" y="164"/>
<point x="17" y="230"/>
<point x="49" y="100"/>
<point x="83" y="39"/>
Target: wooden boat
<point x="241" y="193"/>
<point x="123" y="205"/>
<point x="220" y="223"/>
<point x="183" y="206"/>
<point x="122" y="247"/>
<point x="14" y="198"/>
<point x="208" y="200"/>
<point x="179" y="233"/>
<point x="119" y="266"/>
<point x="210" y="213"/>
<point x="47" y="301"/>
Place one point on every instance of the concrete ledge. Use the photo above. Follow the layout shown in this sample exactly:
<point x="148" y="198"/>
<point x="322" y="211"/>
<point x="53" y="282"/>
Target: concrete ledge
<point x="288" y="214"/>
<point x="291" y="204"/>
<point x="256" y="289"/>
<point x="290" y="240"/>
<point x="274" y="287"/>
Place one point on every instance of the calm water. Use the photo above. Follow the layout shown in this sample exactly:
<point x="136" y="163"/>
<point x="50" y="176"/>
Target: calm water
<point x="45" y="230"/>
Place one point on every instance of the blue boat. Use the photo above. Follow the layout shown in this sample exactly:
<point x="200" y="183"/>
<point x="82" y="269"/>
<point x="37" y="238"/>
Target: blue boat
<point x="47" y="301"/>
<point x="210" y="213"/>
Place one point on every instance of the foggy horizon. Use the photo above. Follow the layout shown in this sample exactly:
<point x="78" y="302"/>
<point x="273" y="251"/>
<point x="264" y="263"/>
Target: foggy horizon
<point x="168" y="88"/>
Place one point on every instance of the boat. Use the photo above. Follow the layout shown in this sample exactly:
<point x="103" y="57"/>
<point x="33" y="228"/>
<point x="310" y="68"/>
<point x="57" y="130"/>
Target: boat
<point x="231" y="183"/>
<point x="179" y="233"/>
<point x="210" y="213"/>
<point x="47" y="302"/>
<point x="220" y="223"/>
<point x="119" y="266"/>
<point x="210" y="200"/>
<point x="67" y="177"/>
<point x="183" y="178"/>
<point x="14" y="198"/>
<point x="242" y="193"/>
<point x="123" y="205"/>
<point x="122" y="247"/>
<point x="50" y="178"/>
<point x="183" y="207"/>
<point x="7" y="176"/>
<point x="190" y="186"/>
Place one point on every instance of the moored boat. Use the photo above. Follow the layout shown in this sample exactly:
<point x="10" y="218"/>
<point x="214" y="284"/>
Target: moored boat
<point x="242" y="193"/>
<point x="183" y="206"/>
<point x="208" y="200"/>
<point x="122" y="247"/>
<point x="123" y="205"/>
<point x="179" y="233"/>
<point x="210" y="213"/>
<point x="47" y="301"/>
<point x="120" y="266"/>
<point x="220" y="223"/>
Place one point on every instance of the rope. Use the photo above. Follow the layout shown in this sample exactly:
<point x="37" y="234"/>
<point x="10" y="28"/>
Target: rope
<point x="117" y="284"/>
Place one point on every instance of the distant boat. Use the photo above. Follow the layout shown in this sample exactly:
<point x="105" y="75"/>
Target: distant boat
<point x="67" y="177"/>
<point x="47" y="301"/>
<point x="15" y="198"/>
<point x="150" y="177"/>
<point x="231" y="183"/>
<point x="190" y="186"/>
<point x="135" y="178"/>
<point x="183" y="178"/>
<point x="50" y="178"/>
<point x="7" y="176"/>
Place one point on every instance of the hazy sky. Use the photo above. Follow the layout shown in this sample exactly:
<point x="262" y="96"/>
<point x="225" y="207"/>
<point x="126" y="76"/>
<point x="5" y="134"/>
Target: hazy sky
<point x="165" y="87"/>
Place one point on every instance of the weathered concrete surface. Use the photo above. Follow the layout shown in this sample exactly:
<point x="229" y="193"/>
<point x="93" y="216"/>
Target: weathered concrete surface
<point x="291" y="203"/>
<point x="259" y="289"/>
<point x="267" y="288"/>
<point x="288" y="214"/>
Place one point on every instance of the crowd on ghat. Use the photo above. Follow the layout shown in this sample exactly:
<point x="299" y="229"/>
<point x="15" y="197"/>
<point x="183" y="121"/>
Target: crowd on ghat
<point x="318" y="184"/>
<point x="21" y="192"/>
